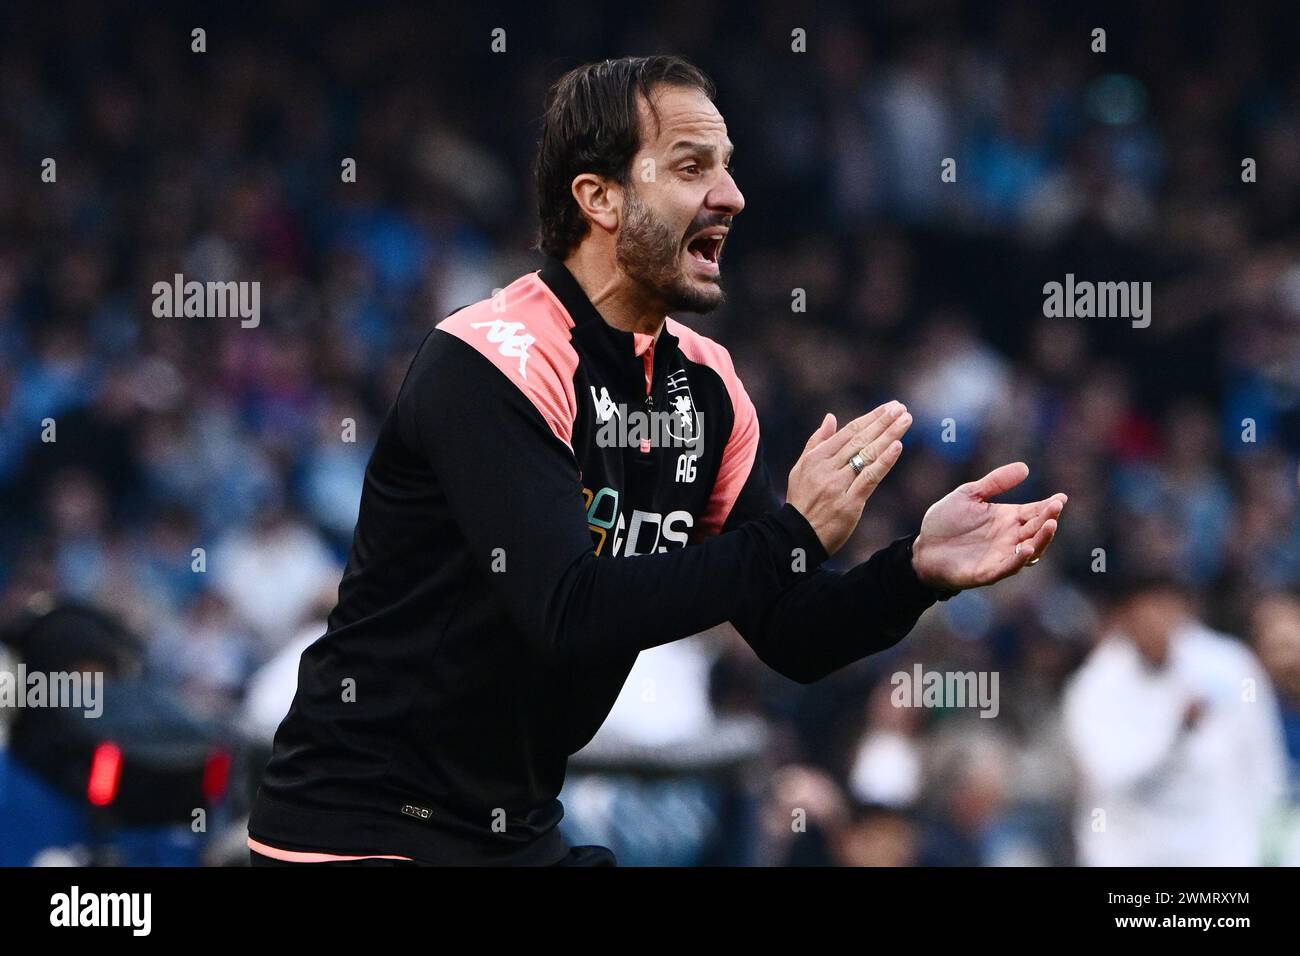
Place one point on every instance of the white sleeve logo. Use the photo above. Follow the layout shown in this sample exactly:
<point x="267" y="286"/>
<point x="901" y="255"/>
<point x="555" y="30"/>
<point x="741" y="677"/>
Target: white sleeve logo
<point x="605" y="407"/>
<point x="511" y="339"/>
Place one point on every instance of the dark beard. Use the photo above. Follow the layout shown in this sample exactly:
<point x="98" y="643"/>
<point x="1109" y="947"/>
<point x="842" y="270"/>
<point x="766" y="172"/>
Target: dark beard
<point x="650" y="254"/>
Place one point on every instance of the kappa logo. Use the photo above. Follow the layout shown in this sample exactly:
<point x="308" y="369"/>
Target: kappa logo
<point x="511" y="339"/>
<point x="605" y="407"/>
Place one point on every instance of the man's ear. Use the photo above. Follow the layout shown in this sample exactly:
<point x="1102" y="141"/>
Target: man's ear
<point x="600" y="199"/>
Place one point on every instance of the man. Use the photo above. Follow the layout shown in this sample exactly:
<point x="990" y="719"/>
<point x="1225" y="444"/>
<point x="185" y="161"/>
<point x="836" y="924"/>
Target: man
<point x="1175" y="731"/>
<point x="523" y="535"/>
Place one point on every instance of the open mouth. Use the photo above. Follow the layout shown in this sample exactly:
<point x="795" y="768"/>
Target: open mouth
<point x="707" y="246"/>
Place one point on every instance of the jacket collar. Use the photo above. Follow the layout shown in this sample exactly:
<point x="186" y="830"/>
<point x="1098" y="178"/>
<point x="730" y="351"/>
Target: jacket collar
<point x="561" y="281"/>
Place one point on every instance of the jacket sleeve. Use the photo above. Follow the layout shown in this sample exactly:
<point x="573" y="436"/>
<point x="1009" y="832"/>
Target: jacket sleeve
<point x="514" y="488"/>
<point x="828" y="619"/>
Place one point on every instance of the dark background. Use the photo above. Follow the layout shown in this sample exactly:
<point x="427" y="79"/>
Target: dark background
<point x="179" y="433"/>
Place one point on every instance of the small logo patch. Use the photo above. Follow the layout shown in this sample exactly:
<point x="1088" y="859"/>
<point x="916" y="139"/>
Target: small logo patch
<point x="605" y="407"/>
<point x="420" y="813"/>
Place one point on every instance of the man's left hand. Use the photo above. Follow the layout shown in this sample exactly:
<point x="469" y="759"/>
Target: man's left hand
<point x="967" y="541"/>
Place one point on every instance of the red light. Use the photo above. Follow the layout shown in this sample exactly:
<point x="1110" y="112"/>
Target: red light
<point x="105" y="769"/>
<point x="216" y="773"/>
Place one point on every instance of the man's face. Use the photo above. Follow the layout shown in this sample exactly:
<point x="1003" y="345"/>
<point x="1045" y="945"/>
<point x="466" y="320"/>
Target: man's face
<point x="1277" y="640"/>
<point x="1150" y="619"/>
<point x="679" y="202"/>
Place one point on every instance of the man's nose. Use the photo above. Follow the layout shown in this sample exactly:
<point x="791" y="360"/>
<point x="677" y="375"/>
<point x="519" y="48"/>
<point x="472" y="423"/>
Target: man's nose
<point x="726" y="196"/>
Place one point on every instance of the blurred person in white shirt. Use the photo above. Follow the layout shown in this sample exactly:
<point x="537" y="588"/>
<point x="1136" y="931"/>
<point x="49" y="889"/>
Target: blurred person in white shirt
<point x="1275" y="635"/>
<point x="1175" y="734"/>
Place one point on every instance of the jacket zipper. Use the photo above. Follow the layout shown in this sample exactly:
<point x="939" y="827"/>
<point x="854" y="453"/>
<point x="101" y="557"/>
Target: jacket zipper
<point x="649" y="360"/>
<point x="648" y="363"/>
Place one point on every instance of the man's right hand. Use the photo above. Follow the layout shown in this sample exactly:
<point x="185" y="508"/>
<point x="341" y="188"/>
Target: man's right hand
<point x="822" y="483"/>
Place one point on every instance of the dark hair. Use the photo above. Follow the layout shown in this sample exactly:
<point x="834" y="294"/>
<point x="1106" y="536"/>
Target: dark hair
<point x="591" y="125"/>
<point x="1128" y="582"/>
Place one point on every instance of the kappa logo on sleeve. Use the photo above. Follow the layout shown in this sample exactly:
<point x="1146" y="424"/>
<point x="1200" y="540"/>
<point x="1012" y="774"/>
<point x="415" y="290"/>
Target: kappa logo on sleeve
<point x="510" y="338"/>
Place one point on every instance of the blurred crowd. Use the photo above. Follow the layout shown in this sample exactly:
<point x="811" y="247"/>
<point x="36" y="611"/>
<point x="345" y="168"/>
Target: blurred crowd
<point x="195" y="477"/>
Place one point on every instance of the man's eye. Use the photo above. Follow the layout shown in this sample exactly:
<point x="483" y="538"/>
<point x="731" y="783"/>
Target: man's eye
<point x="691" y="168"/>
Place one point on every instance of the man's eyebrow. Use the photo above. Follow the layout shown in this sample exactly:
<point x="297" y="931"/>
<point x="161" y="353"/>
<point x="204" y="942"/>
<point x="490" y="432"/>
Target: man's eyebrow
<point x="691" y="146"/>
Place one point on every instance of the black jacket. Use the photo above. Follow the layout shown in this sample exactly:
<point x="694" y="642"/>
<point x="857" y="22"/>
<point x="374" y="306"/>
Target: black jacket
<point x="517" y="545"/>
